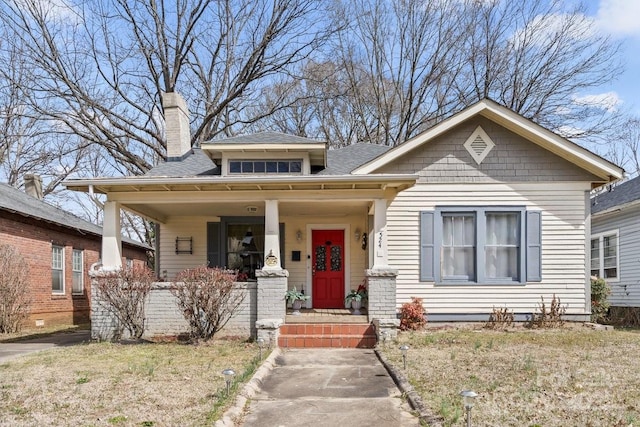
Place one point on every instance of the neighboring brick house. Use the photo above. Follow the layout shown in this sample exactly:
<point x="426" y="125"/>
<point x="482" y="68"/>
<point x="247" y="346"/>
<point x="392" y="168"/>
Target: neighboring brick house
<point x="59" y="248"/>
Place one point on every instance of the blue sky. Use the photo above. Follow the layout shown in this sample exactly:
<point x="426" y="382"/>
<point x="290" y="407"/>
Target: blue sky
<point x="620" y="19"/>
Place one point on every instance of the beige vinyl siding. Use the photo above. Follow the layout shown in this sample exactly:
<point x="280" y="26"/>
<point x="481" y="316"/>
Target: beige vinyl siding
<point x="625" y="291"/>
<point x="299" y="271"/>
<point x="183" y="226"/>
<point x="563" y="246"/>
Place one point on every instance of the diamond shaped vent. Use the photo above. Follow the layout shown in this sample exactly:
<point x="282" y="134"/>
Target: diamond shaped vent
<point x="479" y="145"/>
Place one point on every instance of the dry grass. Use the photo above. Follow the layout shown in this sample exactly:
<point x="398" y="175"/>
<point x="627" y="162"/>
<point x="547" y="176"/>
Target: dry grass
<point x="564" y="377"/>
<point x="104" y="384"/>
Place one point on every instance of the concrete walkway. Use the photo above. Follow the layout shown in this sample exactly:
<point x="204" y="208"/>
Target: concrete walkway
<point x="328" y="387"/>
<point x="12" y="350"/>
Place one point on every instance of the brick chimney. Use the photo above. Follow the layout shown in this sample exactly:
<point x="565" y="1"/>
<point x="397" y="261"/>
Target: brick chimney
<point x="33" y="185"/>
<point x="177" y="132"/>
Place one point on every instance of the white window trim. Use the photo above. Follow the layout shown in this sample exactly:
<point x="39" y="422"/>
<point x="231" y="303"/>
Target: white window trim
<point x="81" y="271"/>
<point x="278" y="155"/>
<point x="600" y="237"/>
<point x="55" y="292"/>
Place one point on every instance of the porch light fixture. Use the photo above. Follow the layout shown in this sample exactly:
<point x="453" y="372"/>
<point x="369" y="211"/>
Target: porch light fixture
<point x="404" y="348"/>
<point x="299" y="235"/>
<point x="260" y="342"/>
<point x="357" y="234"/>
<point x="468" y="399"/>
<point x="228" y="377"/>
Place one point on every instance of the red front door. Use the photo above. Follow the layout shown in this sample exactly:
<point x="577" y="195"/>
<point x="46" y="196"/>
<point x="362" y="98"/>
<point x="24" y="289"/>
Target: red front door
<point x="328" y="268"/>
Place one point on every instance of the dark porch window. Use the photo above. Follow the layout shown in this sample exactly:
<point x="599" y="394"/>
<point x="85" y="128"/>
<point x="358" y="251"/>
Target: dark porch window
<point x="237" y="243"/>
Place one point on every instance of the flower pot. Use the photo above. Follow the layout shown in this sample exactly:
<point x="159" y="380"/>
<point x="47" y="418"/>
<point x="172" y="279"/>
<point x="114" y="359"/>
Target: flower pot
<point x="356" y="305"/>
<point x="296" y="305"/>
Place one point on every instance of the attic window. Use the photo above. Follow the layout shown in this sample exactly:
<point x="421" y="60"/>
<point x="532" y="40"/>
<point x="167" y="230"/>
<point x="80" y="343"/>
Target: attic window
<point x="268" y="167"/>
<point x="479" y="145"/>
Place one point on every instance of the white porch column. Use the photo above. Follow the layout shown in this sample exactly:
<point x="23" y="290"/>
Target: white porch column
<point x="271" y="236"/>
<point x="111" y="237"/>
<point x="379" y="241"/>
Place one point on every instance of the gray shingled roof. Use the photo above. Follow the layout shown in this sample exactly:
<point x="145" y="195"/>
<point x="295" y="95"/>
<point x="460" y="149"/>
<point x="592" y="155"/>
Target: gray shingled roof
<point x="197" y="163"/>
<point x="265" y="138"/>
<point x="339" y="162"/>
<point x="343" y="160"/>
<point x="16" y="201"/>
<point x="622" y="194"/>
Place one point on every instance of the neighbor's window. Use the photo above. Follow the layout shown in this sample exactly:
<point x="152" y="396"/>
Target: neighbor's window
<point x="78" y="273"/>
<point x="57" y="269"/>
<point x="265" y="167"/>
<point x="480" y="245"/>
<point x="604" y="255"/>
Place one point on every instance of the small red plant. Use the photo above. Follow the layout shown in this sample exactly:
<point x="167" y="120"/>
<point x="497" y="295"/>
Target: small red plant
<point x="412" y="315"/>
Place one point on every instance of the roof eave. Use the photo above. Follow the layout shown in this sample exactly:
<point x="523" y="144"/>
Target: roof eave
<point x="617" y="208"/>
<point x="581" y="157"/>
<point x="101" y="185"/>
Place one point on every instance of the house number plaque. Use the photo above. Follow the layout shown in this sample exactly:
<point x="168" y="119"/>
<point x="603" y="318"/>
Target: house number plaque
<point x="271" y="260"/>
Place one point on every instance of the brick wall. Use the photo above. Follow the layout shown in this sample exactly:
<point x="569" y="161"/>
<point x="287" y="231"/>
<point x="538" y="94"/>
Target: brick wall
<point x="382" y="293"/>
<point x="164" y="319"/>
<point x="34" y="240"/>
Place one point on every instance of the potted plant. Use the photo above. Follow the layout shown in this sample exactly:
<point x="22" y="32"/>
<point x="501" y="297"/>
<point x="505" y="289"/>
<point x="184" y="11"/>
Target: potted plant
<point x="356" y="297"/>
<point x="295" y="298"/>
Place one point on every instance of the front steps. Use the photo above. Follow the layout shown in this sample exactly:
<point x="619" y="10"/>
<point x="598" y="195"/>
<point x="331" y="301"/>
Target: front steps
<point x="329" y="335"/>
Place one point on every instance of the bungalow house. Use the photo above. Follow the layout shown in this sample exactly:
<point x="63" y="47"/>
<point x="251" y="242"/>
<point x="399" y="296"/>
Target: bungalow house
<point x="615" y="241"/>
<point x="485" y="209"/>
<point x="58" y="248"/>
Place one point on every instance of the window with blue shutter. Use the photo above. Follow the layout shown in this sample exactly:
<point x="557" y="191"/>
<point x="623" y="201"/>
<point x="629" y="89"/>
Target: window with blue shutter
<point x="480" y="245"/>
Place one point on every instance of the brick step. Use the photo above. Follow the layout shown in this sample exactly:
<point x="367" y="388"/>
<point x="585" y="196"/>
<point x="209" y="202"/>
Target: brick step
<point x="327" y="335"/>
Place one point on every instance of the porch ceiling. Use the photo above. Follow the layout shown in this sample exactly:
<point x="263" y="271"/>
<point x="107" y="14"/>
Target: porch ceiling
<point x="161" y="212"/>
<point x="159" y="198"/>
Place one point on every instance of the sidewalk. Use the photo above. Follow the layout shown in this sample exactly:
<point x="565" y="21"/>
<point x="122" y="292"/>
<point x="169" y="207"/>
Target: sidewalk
<point x="328" y="387"/>
<point x="12" y="350"/>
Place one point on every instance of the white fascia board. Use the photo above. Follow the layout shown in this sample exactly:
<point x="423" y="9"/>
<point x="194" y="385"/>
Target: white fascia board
<point x="84" y="184"/>
<point x="555" y="143"/>
<point x="514" y="122"/>
<point x="418" y="140"/>
<point x="249" y="147"/>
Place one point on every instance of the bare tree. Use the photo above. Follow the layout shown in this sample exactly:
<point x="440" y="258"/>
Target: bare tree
<point x="100" y="67"/>
<point x="400" y="59"/>
<point x="400" y="67"/>
<point x="29" y="142"/>
<point x="15" y="292"/>
<point x="539" y="60"/>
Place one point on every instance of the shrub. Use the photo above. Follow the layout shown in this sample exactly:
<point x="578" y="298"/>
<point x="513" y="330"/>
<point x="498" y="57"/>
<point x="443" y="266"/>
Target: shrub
<point x="628" y="317"/>
<point x="14" y="290"/>
<point x="412" y="315"/>
<point x="600" y="292"/>
<point x="500" y="318"/>
<point x="551" y="318"/>
<point x="208" y="298"/>
<point x="123" y="293"/>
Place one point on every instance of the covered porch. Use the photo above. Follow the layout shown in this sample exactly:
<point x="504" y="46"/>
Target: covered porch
<point x="322" y="235"/>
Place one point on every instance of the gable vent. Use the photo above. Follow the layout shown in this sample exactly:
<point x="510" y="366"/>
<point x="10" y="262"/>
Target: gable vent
<point x="479" y="145"/>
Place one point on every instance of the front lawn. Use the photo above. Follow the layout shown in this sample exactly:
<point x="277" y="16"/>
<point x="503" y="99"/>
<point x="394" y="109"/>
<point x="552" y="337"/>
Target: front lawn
<point x="563" y="377"/>
<point x="104" y="384"/>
